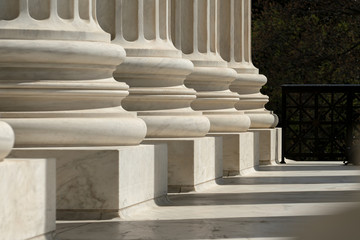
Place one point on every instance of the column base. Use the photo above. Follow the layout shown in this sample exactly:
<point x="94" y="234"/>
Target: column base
<point x="27" y="202"/>
<point x="101" y="182"/>
<point x="267" y="145"/>
<point x="263" y="119"/>
<point x="240" y="152"/>
<point x="193" y="163"/>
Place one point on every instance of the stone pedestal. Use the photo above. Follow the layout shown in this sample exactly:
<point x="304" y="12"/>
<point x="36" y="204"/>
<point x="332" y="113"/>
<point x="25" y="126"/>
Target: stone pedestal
<point x="240" y="152"/>
<point x="267" y="145"/>
<point x="195" y="33"/>
<point x="192" y="162"/>
<point x="278" y="153"/>
<point x="27" y="194"/>
<point x="27" y="202"/>
<point x="235" y="48"/>
<point x="103" y="182"/>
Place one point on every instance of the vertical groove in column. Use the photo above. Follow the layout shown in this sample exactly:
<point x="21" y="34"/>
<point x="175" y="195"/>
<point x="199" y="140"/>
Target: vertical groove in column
<point x="9" y="10"/>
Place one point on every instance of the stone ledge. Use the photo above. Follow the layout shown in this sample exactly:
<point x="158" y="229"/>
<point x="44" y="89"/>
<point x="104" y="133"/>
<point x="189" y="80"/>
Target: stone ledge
<point x="192" y="161"/>
<point x="27" y="202"/>
<point x="98" y="182"/>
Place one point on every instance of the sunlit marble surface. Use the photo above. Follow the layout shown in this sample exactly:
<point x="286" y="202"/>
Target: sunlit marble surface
<point x="276" y="202"/>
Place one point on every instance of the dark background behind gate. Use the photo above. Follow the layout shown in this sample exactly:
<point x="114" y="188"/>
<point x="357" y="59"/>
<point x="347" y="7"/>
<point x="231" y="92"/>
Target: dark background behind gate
<point x="320" y="122"/>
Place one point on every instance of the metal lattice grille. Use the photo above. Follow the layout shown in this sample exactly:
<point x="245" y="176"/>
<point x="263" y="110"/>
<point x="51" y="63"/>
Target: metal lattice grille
<point x="320" y="122"/>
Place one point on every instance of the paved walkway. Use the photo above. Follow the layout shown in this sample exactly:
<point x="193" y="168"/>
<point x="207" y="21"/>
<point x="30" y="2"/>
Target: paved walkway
<point x="276" y="202"/>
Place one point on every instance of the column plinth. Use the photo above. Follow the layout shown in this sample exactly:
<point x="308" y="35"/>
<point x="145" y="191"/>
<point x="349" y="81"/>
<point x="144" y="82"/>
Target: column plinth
<point x="56" y="84"/>
<point x="235" y="48"/>
<point x="153" y="68"/>
<point x="195" y="33"/>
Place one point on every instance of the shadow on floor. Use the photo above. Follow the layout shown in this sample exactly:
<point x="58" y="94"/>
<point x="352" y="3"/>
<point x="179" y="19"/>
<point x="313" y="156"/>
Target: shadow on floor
<point x="255" y="227"/>
<point x="250" y="180"/>
<point x="204" y="199"/>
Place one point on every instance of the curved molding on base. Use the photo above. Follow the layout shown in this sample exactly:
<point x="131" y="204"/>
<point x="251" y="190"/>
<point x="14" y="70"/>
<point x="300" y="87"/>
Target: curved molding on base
<point x="194" y="125"/>
<point x="228" y="122"/>
<point x="70" y="131"/>
<point x="265" y="119"/>
<point x="6" y="140"/>
<point x="158" y="95"/>
<point x="62" y="93"/>
<point x="215" y="99"/>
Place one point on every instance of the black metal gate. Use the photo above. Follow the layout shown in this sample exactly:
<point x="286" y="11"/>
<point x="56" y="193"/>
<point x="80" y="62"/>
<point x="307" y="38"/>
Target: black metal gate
<point x="320" y="122"/>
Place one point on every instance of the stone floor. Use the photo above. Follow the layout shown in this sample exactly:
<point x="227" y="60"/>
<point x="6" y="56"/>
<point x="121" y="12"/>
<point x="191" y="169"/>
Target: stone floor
<point x="275" y="202"/>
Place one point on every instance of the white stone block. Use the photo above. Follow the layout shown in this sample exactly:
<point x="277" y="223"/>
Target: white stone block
<point x="278" y="153"/>
<point x="101" y="182"/>
<point x="27" y="199"/>
<point x="192" y="162"/>
<point x="267" y="145"/>
<point x="240" y="152"/>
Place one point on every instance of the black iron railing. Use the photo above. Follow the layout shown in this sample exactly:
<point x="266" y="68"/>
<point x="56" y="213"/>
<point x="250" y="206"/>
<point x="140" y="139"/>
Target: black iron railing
<point x="320" y="122"/>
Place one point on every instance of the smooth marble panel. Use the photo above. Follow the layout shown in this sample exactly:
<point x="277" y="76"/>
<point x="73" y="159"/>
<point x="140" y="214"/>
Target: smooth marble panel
<point x="98" y="183"/>
<point x="267" y="145"/>
<point x="27" y="199"/>
<point x="192" y="161"/>
<point x="240" y="152"/>
<point x="278" y="145"/>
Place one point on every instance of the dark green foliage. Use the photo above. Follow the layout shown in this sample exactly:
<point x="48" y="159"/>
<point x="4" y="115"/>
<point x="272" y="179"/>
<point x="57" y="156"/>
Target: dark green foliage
<point x="305" y="41"/>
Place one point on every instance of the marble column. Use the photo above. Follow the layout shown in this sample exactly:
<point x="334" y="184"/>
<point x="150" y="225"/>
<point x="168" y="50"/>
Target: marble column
<point x="235" y="48"/>
<point x="56" y="84"/>
<point x="195" y="33"/>
<point x="153" y="68"/>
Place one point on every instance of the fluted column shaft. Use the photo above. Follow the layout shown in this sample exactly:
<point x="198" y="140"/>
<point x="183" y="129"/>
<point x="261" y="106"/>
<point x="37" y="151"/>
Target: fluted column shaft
<point x="195" y="27"/>
<point x="235" y="48"/>
<point x="153" y="67"/>
<point x="56" y="84"/>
